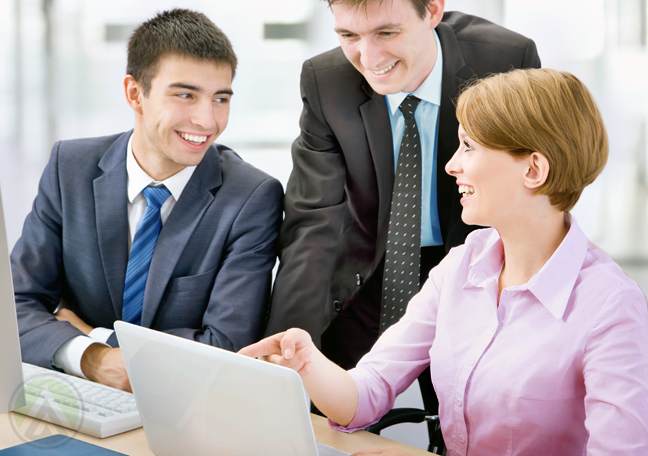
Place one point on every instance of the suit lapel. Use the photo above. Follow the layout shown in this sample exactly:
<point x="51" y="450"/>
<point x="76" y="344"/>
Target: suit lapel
<point x="455" y="72"/>
<point x="185" y="216"/>
<point x="111" y="215"/>
<point x="378" y="130"/>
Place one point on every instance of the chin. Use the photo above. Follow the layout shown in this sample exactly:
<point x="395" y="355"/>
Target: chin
<point x="469" y="219"/>
<point x="383" y="88"/>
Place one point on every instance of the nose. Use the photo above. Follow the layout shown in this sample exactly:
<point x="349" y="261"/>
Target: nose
<point x="371" y="54"/>
<point x="203" y="115"/>
<point x="453" y="167"/>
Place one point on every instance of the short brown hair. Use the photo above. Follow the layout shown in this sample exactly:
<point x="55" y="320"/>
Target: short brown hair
<point x="179" y="32"/>
<point x="540" y="110"/>
<point x="421" y="6"/>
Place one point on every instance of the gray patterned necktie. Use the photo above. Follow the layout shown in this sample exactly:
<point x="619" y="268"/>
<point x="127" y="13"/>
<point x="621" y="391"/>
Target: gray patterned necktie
<point x="403" y="255"/>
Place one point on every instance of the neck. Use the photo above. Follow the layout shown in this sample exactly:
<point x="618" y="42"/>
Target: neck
<point x="528" y="245"/>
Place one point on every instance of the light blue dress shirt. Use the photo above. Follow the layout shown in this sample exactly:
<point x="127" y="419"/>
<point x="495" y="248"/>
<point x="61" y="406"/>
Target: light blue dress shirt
<point x="427" y="120"/>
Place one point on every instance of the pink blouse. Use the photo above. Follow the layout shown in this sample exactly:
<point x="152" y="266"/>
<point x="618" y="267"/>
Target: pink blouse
<point x="559" y="368"/>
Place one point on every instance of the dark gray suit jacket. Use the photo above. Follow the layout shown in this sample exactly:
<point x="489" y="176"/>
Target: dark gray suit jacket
<point x="339" y="194"/>
<point x="210" y="274"/>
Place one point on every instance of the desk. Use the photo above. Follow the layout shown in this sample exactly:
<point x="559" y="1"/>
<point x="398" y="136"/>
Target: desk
<point x="133" y="443"/>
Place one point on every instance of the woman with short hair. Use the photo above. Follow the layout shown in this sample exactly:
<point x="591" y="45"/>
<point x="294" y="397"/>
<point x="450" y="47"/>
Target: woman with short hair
<point x="537" y="341"/>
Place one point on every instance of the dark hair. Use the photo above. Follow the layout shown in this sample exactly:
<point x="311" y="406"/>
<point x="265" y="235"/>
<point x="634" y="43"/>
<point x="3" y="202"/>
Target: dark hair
<point x="179" y="32"/>
<point x="421" y="6"/>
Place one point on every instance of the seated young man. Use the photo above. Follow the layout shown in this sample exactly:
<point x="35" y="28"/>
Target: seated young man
<point x="156" y="226"/>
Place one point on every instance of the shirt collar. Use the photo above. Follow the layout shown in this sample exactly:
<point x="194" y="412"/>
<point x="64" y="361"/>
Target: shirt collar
<point x="430" y="88"/>
<point x="488" y="263"/>
<point x="138" y="179"/>
<point x="553" y="284"/>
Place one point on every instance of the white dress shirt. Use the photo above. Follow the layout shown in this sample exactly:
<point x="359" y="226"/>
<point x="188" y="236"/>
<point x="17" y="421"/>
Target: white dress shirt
<point x="68" y="356"/>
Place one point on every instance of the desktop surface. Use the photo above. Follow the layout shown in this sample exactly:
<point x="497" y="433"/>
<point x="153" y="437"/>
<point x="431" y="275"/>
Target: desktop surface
<point x="134" y="442"/>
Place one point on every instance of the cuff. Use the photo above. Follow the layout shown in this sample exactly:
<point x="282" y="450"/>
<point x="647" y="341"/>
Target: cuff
<point x="365" y="413"/>
<point x="101" y="334"/>
<point x="68" y="356"/>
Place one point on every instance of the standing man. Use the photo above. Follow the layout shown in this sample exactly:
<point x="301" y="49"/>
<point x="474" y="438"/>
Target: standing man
<point x="388" y="88"/>
<point x="157" y="226"/>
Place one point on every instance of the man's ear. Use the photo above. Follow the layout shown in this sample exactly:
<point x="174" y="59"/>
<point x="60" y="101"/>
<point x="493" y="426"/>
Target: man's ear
<point x="134" y="94"/>
<point x="537" y="170"/>
<point x="436" y="9"/>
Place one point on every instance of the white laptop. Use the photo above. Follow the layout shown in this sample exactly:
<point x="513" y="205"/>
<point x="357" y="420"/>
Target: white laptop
<point x="11" y="380"/>
<point x="201" y="400"/>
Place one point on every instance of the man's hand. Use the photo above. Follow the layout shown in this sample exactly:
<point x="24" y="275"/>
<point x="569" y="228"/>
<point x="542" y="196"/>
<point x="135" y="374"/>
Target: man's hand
<point x="292" y="349"/>
<point x="105" y="365"/>
<point x="384" y="451"/>
<point x="74" y="320"/>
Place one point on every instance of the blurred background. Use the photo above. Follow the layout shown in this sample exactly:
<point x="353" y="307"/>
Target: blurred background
<point x="63" y="62"/>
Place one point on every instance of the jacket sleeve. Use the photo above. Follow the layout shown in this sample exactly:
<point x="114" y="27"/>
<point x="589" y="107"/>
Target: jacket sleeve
<point x="36" y="266"/>
<point x="531" y="58"/>
<point x="314" y="206"/>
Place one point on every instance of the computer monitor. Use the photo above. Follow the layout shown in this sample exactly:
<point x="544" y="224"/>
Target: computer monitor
<point x="11" y="380"/>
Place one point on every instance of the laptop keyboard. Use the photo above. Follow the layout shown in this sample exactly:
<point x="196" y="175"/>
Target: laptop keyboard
<point x="77" y="403"/>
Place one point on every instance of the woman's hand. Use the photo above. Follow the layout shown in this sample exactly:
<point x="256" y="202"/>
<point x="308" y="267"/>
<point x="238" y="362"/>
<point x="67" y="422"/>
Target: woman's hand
<point x="329" y="386"/>
<point x="292" y="349"/>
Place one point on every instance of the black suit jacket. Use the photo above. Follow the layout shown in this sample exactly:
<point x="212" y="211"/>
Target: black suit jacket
<point x="339" y="194"/>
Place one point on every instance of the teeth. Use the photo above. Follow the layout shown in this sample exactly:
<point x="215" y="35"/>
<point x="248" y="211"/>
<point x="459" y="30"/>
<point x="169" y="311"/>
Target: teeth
<point x="379" y="72"/>
<point x="194" y="138"/>
<point x="465" y="190"/>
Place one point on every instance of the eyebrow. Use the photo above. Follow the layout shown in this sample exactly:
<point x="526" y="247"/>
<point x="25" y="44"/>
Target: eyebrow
<point x="380" y="28"/>
<point x="193" y="88"/>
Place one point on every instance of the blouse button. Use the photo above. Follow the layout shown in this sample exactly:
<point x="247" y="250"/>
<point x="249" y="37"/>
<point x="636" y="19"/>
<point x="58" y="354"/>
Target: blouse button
<point x="471" y="361"/>
<point x="462" y="439"/>
<point x="458" y="402"/>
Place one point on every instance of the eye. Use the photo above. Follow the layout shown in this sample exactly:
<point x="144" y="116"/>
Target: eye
<point x="386" y="34"/>
<point x="221" y="100"/>
<point x="468" y="147"/>
<point x="185" y="96"/>
<point x="347" y="36"/>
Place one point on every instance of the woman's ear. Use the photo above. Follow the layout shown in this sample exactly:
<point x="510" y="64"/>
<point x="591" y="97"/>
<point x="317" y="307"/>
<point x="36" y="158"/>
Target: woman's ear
<point x="537" y="170"/>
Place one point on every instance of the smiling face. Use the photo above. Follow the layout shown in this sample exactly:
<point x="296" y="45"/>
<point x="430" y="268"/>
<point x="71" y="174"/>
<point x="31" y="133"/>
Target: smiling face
<point x="186" y="109"/>
<point x="389" y="43"/>
<point x="492" y="183"/>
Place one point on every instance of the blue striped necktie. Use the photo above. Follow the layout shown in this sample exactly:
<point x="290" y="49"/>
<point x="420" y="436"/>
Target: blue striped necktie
<point x="142" y="252"/>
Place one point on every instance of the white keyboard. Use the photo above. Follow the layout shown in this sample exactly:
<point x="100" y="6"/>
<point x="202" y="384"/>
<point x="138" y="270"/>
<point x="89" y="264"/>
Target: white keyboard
<point x="77" y="403"/>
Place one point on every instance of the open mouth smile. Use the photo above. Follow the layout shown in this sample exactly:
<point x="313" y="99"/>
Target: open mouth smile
<point x="466" y="190"/>
<point x="384" y="70"/>
<point x="193" y="139"/>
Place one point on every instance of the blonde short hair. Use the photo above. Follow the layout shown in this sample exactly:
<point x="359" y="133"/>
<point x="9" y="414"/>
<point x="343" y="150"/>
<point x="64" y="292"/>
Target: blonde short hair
<point x="540" y="110"/>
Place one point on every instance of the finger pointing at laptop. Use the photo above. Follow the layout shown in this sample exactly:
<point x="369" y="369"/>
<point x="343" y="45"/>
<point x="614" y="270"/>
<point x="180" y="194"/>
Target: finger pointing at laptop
<point x="329" y="386"/>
